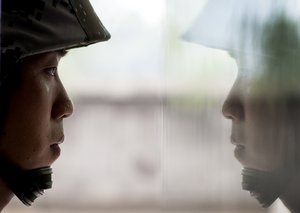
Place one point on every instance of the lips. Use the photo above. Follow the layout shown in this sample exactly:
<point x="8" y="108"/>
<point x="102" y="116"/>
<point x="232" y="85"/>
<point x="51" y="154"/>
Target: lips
<point x="61" y="139"/>
<point x="55" y="146"/>
<point x="55" y="150"/>
<point x="58" y="140"/>
<point x="236" y="142"/>
<point x="239" y="148"/>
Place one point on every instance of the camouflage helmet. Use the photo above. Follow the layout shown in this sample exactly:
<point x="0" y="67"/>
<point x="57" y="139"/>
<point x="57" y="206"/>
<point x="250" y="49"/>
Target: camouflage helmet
<point x="37" y="26"/>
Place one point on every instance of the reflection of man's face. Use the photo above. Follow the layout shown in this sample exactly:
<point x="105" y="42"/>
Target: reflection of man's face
<point x="264" y="101"/>
<point x="34" y="122"/>
<point x="263" y="108"/>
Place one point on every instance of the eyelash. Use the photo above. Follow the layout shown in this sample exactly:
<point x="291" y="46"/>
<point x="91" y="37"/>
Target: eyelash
<point x="51" y="71"/>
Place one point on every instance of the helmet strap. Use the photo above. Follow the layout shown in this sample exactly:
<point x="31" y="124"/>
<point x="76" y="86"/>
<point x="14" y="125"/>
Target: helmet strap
<point x="266" y="187"/>
<point x="27" y="185"/>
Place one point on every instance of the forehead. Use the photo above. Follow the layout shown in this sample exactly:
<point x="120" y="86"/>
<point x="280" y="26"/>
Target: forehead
<point x="42" y="60"/>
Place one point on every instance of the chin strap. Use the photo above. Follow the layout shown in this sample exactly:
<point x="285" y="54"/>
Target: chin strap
<point x="266" y="187"/>
<point x="26" y="185"/>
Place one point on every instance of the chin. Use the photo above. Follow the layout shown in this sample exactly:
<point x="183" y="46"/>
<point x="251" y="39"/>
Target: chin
<point x="47" y="158"/>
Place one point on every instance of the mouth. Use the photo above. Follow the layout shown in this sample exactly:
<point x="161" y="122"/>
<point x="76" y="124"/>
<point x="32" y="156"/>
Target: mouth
<point x="58" y="140"/>
<point x="239" y="153"/>
<point x="239" y="148"/>
<point x="236" y="142"/>
<point x="55" y="146"/>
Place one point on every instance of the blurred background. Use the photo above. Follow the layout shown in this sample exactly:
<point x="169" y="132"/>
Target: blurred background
<point x="147" y="134"/>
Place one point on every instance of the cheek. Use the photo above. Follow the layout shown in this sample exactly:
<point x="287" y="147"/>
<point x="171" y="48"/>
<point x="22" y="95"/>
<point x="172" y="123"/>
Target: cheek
<point x="268" y="133"/>
<point x="32" y="108"/>
<point x="28" y="126"/>
<point x="39" y="95"/>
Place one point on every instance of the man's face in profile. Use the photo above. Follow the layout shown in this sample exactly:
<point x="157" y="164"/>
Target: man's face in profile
<point x="33" y="128"/>
<point x="264" y="101"/>
<point x="263" y="107"/>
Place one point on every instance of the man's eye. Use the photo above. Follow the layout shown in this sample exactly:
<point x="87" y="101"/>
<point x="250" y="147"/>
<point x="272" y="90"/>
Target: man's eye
<point x="51" y="71"/>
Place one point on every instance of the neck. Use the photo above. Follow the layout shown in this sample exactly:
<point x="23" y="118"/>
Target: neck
<point x="291" y="195"/>
<point x="5" y="195"/>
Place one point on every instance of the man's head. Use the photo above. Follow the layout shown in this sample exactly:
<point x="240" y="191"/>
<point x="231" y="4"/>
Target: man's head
<point x="263" y="104"/>
<point x="35" y="34"/>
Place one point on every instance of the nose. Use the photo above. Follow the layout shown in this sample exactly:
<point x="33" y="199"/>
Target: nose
<point x="233" y="105"/>
<point x="63" y="106"/>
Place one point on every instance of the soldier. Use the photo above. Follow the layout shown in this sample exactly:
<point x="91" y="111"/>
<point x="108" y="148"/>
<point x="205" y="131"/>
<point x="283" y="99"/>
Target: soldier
<point x="35" y="34"/>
